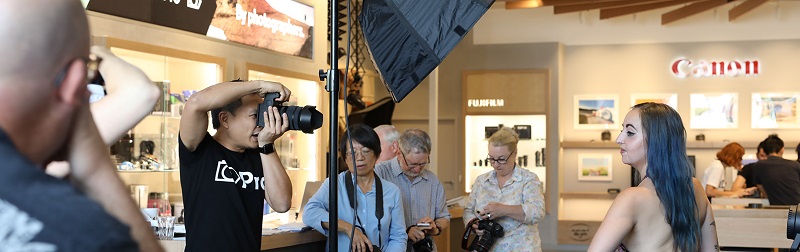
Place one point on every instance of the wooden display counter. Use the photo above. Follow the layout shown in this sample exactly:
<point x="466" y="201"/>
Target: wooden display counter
<point x="752" y="228"/>
<point x="295" y="241"/>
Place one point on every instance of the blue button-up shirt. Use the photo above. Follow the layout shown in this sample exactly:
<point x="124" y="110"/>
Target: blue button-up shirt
<point x="423" y="197"/>
<point x="393" y="235"/>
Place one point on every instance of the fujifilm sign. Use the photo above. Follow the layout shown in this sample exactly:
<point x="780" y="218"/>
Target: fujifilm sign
<point x="683" y="68"/>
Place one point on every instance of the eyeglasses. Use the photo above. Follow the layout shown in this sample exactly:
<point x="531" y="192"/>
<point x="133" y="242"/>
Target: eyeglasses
<point x="414" y="165"/>
<point x="364" y="152"/>
<point x="499" y="160"/>
<point x="92" y="71"/>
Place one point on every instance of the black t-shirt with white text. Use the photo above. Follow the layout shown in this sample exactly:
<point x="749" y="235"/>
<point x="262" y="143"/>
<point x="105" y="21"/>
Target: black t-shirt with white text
<point x="223" y="194"/>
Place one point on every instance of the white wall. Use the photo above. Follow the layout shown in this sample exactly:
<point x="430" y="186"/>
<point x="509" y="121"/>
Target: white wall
<point x="770" y="21"/>
<point x="644" y="68"/>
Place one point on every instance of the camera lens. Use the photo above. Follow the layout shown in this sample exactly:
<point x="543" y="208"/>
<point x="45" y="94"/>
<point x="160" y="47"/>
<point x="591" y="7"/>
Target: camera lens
<point x="305" y="118"/>
<point x="793" y="223"/>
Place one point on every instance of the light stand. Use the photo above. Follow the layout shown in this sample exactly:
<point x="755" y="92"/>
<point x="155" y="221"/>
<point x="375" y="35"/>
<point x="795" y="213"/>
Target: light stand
<point x="332" y="86"/>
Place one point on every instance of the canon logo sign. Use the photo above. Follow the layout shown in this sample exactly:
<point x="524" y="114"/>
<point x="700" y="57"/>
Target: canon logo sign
<point x="701" y="68"/>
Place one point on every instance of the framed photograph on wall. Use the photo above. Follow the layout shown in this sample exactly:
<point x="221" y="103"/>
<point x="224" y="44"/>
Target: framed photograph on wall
<point x="669" y="99"/>
<point x="714" y="111"/>
<point x="775" y="110"/>
<point x="596" y="112"/>
<point x="594" y="167"/>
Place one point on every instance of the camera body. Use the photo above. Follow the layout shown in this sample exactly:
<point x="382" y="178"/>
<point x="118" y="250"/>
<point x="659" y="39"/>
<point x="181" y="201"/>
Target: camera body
<point x="305" y="118"/>
<point x="424" y="245"/>
<point x="491" y="232"/>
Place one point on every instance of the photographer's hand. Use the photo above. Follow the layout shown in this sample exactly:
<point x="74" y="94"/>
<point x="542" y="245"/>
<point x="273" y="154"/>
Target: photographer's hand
<point x="360" y="242"/>
<point x="275" y="124"/>
<point x="433" y="229"/>
<point x="275" y="87"/>
<point x="417" y="233"/>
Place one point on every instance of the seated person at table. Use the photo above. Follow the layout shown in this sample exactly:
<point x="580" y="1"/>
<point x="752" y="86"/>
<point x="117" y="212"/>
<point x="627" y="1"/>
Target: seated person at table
<point x="776" y="177"/>
<point x="745" y="177"/>
<point x="379" y="220"/>
<point x="715" y="181"/>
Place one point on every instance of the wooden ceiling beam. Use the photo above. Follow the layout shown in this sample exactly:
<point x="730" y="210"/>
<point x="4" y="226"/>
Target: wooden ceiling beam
<point x="743" y="8"/>
<point x="691" y="9"/>
<point x="568" y="2"/>
<point x="561" y="9"/>
<point x="523" y="4"/>
<point x="621" y="11"/>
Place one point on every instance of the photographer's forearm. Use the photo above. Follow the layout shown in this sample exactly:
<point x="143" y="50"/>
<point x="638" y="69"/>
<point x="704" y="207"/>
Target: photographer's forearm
<point x="94" y="173"/>
<point x="515" y="212"/>
<point x="123" y="108"/>
<point x="278" y="191"/>
<point x="222" y="94"/>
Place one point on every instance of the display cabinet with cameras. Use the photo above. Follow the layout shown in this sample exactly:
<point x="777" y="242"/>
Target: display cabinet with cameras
<point x="489" y="104"/>
<point x="147" y="157"/>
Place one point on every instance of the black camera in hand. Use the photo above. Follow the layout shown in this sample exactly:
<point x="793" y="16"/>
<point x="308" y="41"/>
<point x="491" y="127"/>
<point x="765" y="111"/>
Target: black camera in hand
<point x="483" y="243"/>
<point x="424" y="245"/>
<point x="305" y="118"/>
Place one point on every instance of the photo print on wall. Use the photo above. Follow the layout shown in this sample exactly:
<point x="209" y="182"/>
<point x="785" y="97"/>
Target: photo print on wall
<point x="669" y="99"/>
<point x="775" y="110"/>
<point x="596" y="112"/>
<point x="594" y="167"/>
<point x="714" y="111"/>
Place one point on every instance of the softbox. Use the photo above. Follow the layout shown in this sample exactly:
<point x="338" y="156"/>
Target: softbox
<point x="407" y="39"/>
<point x="378" y="113"/>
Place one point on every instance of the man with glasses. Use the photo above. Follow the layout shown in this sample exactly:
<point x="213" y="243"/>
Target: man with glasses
<point x="46" y="117"/>
<point x="423" y="194"/>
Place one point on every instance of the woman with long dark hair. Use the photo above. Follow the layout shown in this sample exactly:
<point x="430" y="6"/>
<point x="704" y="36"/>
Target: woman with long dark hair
<point x="668" y="210"/>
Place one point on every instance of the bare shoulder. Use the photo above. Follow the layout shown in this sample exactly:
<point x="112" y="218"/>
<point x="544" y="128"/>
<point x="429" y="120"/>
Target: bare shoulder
<point x="632" y="195"/>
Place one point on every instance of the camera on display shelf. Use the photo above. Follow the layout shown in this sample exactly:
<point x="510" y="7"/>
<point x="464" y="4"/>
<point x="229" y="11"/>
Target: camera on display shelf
<point x="305" y="118"/>
<point x="482" y="243"/>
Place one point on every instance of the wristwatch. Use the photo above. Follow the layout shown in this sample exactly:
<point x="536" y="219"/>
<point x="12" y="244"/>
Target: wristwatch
<point x="267" y="149"/>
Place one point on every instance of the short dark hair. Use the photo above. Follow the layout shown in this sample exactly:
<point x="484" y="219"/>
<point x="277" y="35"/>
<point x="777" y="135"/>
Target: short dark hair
<point x="773" y="144"/>
<point x="230" y="108"/>
<point x="362" y="134"/>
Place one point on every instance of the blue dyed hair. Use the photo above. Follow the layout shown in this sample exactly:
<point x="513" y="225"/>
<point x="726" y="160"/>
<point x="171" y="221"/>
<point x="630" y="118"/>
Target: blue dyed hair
<point x="669" y="169"/>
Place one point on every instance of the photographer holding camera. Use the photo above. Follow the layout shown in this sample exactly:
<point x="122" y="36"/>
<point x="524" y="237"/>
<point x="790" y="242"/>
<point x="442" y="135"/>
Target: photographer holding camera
<point x="507" y="203"/>
<point x="226" y="177"/>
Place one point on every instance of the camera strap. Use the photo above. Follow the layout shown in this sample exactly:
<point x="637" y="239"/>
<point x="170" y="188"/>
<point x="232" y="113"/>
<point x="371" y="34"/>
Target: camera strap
<point x="467" y="232"/>
<point x="351" y="192"/>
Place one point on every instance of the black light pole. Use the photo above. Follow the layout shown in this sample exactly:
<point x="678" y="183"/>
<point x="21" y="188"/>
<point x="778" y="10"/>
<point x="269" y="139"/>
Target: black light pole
<point x="332" y="86"/>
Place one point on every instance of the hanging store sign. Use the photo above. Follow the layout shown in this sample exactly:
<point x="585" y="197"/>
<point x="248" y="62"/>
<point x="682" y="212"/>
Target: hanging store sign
<point x="683" y="68"/>
<point x="284" y="26"/>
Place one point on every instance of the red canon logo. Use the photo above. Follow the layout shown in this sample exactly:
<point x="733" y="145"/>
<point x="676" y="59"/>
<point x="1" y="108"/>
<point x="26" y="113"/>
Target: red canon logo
<point x="685" y="67"/>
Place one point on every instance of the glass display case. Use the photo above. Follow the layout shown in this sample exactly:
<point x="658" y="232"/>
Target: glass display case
<point x="300" y="153"/>
<point x="147" y="157"/>
<point x="530" y="149"/>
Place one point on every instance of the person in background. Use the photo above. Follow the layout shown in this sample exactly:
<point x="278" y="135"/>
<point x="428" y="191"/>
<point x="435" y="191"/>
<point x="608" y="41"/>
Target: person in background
<point x="778" y="179"/>
<point x="729" y="160"/>
<point x="131" y="96"/>
<point x="745" y="177"/>
<point x="369" y="227"/>
<point x="388" y="135"/>
<point x="423" y="194"/>
<point x="508" y="195"/>
<point x="668" y="210"/>
<point x="797" y="150"/>
<point x="226" y="177"/>
<point x="46" y="117"/>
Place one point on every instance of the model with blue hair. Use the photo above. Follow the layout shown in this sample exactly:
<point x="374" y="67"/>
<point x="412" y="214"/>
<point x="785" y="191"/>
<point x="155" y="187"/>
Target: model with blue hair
<point x="668" y="210"/>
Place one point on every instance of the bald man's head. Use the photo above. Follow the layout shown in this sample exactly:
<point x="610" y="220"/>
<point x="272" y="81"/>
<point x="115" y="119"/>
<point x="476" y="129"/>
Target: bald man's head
<point x="38" y="38"/>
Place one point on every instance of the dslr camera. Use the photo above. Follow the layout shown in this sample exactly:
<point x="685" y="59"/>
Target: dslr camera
<point x="483" y="243"/>
<point x="424" y="245"/>
<point x="305" y="118"/>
